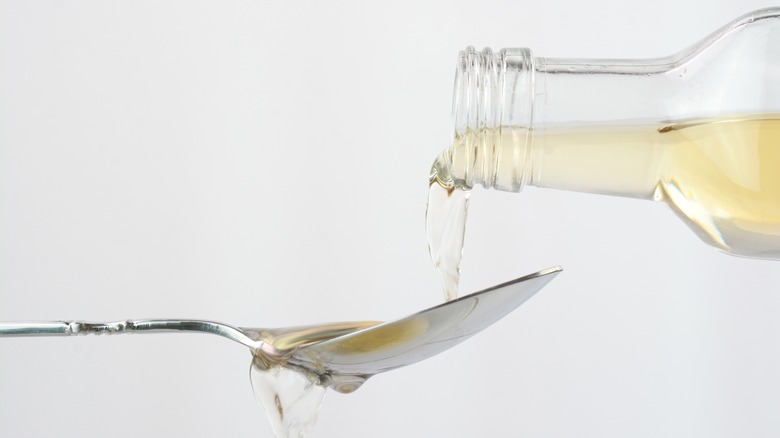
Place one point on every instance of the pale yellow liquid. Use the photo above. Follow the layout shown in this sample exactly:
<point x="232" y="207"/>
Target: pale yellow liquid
<point x="721" y="176"/>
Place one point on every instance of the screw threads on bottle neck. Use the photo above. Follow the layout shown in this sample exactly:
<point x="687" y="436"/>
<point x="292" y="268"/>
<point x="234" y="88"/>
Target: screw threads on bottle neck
<point x="492" y="112"/>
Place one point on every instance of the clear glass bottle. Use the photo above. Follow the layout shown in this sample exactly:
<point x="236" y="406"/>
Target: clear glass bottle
<point x="698" y="131"/>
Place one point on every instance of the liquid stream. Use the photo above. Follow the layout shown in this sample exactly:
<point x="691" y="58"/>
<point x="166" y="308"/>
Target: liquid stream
<point x="446" y="226"/>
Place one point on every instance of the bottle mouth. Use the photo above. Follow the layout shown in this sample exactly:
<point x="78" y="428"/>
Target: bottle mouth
<point x="492" y="89"/>
<point x="470" y="103"/>
<point x="493" y="94"/>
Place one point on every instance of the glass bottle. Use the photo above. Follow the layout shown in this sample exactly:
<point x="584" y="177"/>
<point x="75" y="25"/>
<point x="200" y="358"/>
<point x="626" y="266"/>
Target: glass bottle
<point x="698" y="131"/>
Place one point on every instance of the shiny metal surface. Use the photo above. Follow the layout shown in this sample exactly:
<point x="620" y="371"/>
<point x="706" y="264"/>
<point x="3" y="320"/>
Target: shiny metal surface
<point x="361" y="354"/>
<point x="75" y="328"/>
<point x="344" y="355"/>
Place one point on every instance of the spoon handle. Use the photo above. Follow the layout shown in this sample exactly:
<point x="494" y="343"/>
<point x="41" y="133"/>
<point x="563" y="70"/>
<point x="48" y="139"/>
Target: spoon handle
<point x="72" y="328"/>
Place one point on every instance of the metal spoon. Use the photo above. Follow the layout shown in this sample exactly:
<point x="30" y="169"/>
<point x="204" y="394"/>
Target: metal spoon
<point x="341" y="355"/>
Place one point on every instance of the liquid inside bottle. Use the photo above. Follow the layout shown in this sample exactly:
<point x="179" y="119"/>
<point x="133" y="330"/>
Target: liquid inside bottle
<point x="723" y="178"/>
<point x="720" y="176"/>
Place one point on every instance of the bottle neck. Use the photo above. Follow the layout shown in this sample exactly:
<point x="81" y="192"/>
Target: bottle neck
<point x="506" y="102"/>
<point x="492" y="91"/>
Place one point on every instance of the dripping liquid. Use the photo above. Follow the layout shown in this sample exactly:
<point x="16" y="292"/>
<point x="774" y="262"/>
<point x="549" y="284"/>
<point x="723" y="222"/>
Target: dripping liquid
<point x="291" y="399"/>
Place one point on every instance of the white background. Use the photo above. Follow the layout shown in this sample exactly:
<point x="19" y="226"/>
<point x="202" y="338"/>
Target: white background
<point x="265" y="164"/>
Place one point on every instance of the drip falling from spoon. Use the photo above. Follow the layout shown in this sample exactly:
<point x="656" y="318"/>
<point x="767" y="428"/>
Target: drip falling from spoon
<point x="291" y="399"/>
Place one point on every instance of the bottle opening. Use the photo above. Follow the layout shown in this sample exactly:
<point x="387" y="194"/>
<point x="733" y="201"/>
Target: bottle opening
<point x="492" y="113"/>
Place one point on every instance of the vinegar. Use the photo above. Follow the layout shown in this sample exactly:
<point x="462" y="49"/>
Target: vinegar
<point x="722" y="177"/>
